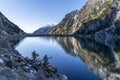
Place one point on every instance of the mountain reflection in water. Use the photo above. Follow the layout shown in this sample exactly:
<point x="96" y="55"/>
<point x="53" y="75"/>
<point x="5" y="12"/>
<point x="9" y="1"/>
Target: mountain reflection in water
<point x="102" y="58"/>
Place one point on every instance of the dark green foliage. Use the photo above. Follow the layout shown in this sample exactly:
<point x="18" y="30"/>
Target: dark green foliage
<point x="34" y="55"/>
<point x="46" y="61"/>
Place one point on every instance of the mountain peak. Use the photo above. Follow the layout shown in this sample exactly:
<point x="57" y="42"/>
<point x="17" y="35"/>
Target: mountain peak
<point x="50" y="24"/>
<point x="44" y="29"/>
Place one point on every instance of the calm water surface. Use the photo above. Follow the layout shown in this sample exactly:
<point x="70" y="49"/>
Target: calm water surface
<point x="68" y="55"/>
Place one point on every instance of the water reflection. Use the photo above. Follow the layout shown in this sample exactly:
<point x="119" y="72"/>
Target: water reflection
<point x="101" y="56"/>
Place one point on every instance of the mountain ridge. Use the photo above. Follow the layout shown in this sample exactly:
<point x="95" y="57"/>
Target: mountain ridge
<point x="97" y="17"/>
<point x="8" y="28"/>
<point x="67" y="21"/>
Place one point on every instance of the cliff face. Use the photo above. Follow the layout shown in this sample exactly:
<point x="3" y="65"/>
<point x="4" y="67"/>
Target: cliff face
<point x="102" y="21"/>
<point x="8" y="28"/>
<point x="97" y="17"/>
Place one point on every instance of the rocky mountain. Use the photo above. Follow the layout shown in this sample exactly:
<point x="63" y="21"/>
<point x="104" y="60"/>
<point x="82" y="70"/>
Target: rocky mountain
<point x="97" y="17"/>
<point x="44" y="29"/>
<point x="7" y="28"/>
<point x="65" y="26"/>
<point x="102" y="21"/>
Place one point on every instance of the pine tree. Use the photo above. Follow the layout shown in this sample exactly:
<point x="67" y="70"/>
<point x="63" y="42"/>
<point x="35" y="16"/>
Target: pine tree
<point x="34" y="55"/>
<point x="46" y="62"/>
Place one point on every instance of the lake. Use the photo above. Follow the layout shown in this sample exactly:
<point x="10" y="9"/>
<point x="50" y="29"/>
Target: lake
<point x="78" y="59"/>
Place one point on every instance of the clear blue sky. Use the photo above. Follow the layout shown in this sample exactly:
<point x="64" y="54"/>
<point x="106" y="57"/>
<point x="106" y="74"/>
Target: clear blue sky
<point x="30" y="15"/>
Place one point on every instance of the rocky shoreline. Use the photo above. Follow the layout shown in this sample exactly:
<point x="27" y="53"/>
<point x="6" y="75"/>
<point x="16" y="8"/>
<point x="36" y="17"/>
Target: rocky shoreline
<point x="14" y="66"/>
